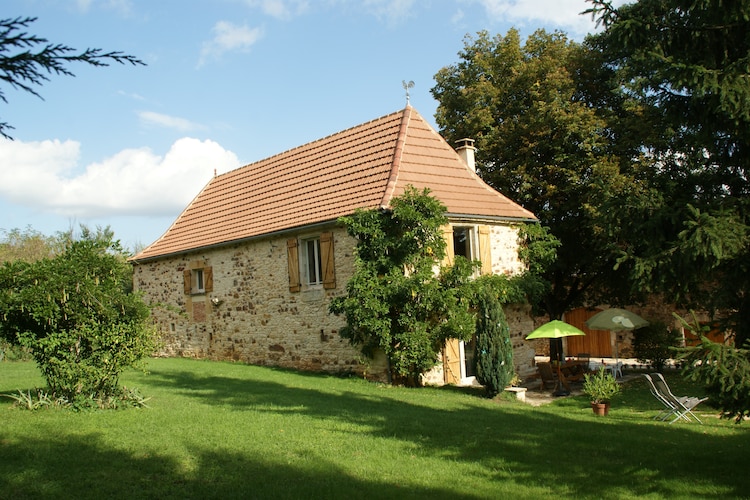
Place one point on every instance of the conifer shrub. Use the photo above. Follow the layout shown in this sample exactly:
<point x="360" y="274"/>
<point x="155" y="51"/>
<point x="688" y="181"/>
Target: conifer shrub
<point x="494" y="351"/>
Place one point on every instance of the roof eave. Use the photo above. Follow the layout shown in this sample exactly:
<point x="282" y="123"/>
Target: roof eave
<point x="490" y="218"/>
<point x="282" y="232"/>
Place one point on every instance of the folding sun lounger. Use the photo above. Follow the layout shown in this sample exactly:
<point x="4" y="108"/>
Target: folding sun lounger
<point x="680" y="407"/>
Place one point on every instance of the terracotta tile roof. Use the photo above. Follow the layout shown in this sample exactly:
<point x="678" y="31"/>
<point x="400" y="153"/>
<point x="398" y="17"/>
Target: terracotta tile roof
<point x="362" y="167"/>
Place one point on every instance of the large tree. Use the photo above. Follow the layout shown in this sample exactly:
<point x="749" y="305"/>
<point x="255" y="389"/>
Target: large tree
<point x="687" y="64"/>
<point x="27" y="60"/>
<point x="544" y="130"/>
<point x="28" y="245"/>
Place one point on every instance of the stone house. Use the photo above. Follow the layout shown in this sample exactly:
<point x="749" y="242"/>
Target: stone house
<point x="246" y="272"/>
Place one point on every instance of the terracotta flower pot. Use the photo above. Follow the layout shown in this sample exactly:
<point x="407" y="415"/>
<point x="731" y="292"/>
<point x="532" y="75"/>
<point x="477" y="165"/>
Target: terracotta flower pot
<point x="601" y="409"/>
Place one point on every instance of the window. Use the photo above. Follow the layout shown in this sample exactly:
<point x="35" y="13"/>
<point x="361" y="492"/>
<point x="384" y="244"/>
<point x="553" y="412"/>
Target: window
<point x="471" y="242"/>
<point x="197" y="285"/>
<point x="311" y="249"/>
<point x="198" y="278"/>
<point x="311" y="262"/>
<point x="462" y="242"/>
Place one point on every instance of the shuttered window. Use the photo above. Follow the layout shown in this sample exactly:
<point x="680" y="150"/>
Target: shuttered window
<point x="198" y="278"/>
<point x="327" y="261"/>
<point x="472" y="242"/>
<point x="311" y="262"/>
<point x="292" y="253"/>
<point x="448" y="237"/>
<point x="485" y="249"/>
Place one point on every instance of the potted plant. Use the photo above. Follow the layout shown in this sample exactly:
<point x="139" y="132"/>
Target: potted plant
<point x="600" y="387"/>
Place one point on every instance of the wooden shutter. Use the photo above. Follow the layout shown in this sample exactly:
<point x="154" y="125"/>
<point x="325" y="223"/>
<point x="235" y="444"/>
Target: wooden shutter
<point x="452" y="362"/>
<point x="485" y="249"/>
<point x="292" y="253"/>
<point x="327" y="260"/>
<point x="448" y="237"/>
<point x="208" y="279"/>
<point x="187" y="277"/>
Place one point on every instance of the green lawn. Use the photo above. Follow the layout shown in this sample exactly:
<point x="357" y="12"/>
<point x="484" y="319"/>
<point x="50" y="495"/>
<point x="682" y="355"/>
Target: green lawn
<point x="224" y="430"/>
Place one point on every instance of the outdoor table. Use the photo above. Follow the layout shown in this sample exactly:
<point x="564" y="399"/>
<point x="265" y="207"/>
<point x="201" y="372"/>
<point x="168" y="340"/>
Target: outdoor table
<point x="569" y="371"/>
<point x="573" y="370"/>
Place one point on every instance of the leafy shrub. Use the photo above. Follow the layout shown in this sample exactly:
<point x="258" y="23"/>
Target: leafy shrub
<point x="601" y="386"/>
<point x="654" y="344"/>
<point x="30" y="400"/>
<point x="77" y="315"/>
<point x="13" y="352"/>
<point x="88" y="360"/>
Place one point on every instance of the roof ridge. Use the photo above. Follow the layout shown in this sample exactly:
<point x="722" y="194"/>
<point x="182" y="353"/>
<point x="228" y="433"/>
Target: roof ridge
<point x="397" y="154"/>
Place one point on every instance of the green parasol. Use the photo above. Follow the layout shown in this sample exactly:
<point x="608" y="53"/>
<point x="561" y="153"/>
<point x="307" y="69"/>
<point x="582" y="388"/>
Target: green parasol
<point x="556" y="329"/>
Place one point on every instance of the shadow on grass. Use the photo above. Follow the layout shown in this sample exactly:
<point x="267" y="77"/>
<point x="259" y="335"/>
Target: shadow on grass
<point x="562" y="446"/>
<point x="40" y="469"/>
<point x="561" y="449"/>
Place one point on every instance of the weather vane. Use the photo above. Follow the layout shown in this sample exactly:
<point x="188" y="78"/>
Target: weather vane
<point x="407" y="86"/>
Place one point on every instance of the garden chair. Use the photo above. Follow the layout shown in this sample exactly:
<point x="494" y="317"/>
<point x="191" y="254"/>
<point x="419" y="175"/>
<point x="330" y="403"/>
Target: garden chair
<point x="616" y="369"/>
<point x="547" y="375"/>
<point x="584" y="358"/>
<point x="681" y="407"/>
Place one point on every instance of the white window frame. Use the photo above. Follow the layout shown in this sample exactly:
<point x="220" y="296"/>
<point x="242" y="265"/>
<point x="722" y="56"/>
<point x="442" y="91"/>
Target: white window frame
<point x="472" y="239"/>
<point x="197" y="280"/>
<point x="310" y="261"/>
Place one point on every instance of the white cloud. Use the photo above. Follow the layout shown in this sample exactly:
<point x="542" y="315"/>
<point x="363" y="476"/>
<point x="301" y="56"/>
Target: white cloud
<point x="280" y="9"/>
<point x="392" y="11"/>
<point x="229" y="37"/>
<point x="565" y="14"/>
<point x="131" y="95"/>
<point x="122" y="6"/>
<point x="458" y="16"/>
<point x="166" y="121"/>
<point x="42" y="176"/>
<point x="83" y="5"/>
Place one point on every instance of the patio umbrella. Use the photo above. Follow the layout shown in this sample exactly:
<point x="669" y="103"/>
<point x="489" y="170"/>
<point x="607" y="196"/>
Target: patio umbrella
<point x="615" y="320"/>
<point x="556" y="329"/>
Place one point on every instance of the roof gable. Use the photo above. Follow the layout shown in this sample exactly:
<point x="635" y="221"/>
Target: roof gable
<point x="362" y="167"/>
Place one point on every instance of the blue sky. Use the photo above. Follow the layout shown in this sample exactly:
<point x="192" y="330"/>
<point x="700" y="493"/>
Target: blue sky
<point x="227" y="82"/>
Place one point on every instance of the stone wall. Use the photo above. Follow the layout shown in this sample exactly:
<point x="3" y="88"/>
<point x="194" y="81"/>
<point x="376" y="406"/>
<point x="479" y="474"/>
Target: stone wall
<point x="248" y="313"/>
<point x="521" y="324"/>
<point x="504" y="244"/>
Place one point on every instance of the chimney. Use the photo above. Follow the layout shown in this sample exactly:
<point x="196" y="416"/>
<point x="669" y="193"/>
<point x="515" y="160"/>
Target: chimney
<point x="466" y="151"/>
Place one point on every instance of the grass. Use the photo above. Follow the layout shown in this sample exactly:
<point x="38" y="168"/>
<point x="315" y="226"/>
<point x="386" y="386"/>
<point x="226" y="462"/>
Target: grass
<point x="224" y="430"/>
